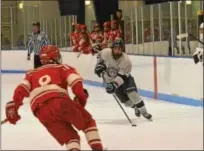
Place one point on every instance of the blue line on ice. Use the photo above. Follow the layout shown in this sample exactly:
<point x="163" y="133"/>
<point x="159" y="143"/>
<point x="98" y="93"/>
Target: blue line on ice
<point x="145" y="93"/>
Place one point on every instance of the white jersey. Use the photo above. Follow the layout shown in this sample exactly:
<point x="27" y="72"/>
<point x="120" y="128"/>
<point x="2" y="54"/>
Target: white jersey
<point x="201" y="39"/>
<point x="121" y="66"/>
<point x="199" y="50"/>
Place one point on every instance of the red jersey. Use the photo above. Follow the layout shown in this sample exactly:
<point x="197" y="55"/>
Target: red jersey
<point x="106" y="35"/>
<point x="47" y="82"/>
<point x="96" y="37"/>
<point x="84" y="40"/>
<point x="114" y="34"/>
<point x="74" y="38"/>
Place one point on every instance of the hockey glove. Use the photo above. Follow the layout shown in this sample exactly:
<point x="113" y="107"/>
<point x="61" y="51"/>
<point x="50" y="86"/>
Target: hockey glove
<point x="12" y="112"/>
<point x="198" y="55"/>
<point x="99" y="69"/>
<point x="96" y="48"/>
<point x="77" y="99"/>
<point x="111" y="87"/>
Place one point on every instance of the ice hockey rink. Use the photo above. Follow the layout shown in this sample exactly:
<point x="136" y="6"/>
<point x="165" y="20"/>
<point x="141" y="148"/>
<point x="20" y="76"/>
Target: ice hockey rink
<point x="174" y="126"/>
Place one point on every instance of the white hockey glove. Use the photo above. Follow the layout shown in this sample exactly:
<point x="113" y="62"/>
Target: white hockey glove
<point x="198" y="55"/>
<point x="96" y="47"/>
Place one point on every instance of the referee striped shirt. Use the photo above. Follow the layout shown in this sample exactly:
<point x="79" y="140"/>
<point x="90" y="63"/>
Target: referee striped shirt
<point x="36" y="42"/>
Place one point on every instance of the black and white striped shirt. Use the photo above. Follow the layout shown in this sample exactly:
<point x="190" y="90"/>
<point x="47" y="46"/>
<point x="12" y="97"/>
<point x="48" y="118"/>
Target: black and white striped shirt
<point x="36" y="42"/>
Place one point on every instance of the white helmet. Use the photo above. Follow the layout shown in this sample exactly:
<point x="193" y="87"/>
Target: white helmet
<point x="202" y="25"/>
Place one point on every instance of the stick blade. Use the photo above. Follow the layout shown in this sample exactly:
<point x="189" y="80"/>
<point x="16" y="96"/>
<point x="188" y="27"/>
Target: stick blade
<point x="4" y="121"/>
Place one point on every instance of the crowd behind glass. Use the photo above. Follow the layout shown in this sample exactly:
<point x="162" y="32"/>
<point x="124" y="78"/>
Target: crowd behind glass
<point x="143" y="24"/>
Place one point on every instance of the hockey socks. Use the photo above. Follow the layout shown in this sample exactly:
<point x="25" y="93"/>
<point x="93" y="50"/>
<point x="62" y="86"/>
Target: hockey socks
<point x="93" y="138"/>
<point x="140" y="108"/>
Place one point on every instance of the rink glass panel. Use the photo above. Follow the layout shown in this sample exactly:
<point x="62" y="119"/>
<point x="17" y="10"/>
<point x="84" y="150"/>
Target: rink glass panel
<point x="16" y="27"/>
<point x="148" y="28"/>
<point x="154" y="25"/>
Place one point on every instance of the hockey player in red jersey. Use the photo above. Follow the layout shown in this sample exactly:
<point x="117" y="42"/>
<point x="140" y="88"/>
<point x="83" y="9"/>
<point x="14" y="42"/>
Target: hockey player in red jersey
<point x="114" y="33"/>
<point x="106" y="33"/>
<point x="75" y="37"/>
<point x="84" y="42"/>
<point x="96" y="36"/>
<point x="50" y="102"/>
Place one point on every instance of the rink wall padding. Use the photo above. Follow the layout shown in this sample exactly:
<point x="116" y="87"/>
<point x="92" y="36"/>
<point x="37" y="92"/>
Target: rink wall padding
<point x="178" y="80"/>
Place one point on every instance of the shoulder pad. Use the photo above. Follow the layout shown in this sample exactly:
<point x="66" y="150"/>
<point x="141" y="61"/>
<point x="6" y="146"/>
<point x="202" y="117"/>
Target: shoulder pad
<point x="29" y="72"/>
<point x="67" y="66"/>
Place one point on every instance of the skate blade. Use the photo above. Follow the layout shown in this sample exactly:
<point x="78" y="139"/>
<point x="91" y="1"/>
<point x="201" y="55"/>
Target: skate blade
<point x="151" y="120"/>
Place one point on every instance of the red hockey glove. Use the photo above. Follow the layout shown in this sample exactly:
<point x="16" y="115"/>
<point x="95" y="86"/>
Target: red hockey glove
<point x="86" y="92"/>
<point x="12" y="112"/>
<point x="78" y="101"/>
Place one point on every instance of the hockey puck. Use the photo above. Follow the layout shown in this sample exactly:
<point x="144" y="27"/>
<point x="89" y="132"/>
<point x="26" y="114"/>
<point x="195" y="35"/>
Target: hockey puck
<point x="133" y="125"/>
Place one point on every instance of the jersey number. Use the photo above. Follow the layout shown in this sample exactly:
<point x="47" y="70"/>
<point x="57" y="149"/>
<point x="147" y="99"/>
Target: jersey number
<point x="44" y="80"/>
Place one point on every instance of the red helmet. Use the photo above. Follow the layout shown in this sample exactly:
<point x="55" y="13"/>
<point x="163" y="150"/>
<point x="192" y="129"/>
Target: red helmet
<point x="49" y="54"/>
<point x="113" y="22"/>
<point x="83" y="27"/>
<point x="106" y="24"/>
<point x="97" y="25"/>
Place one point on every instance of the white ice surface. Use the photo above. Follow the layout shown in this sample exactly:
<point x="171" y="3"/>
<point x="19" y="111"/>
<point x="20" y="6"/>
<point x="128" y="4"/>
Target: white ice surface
<point x="174" y="126"/>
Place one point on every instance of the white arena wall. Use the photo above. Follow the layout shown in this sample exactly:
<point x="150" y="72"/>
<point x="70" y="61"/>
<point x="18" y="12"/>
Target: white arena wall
<point x="158" y="48"/>
<point x="179" y="80"/>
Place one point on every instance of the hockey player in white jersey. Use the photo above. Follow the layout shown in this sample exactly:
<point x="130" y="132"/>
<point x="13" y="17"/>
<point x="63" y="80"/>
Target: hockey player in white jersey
<point x="198" y="55"/>
<point x="115" y="67"/>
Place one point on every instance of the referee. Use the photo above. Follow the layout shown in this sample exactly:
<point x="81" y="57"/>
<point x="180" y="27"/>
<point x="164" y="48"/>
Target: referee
<point x="36" y="41"/>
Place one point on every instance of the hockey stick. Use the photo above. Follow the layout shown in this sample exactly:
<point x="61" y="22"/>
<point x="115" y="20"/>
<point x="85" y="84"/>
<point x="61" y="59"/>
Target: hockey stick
<point x="79" y="54"/>
<point x="130" y="121"/>
<point x="4" y="121"/>
<point x="124" y="111"/>
<point x="185" y="35"/>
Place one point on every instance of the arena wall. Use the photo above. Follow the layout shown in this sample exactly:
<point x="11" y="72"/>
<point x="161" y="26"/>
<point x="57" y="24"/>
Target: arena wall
<point x="176" y="80"/>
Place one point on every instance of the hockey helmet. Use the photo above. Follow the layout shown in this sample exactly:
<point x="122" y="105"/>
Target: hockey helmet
<point x="113" y="22"/>
<point x="117" y="48"/>
<point x="83" y="27"/>
<point x="50" y="54"/>
<point x="97" y="25"/>
<point x="106" y="24"/>
<point x="77" y="26"/>
<point x="118" y="43"/>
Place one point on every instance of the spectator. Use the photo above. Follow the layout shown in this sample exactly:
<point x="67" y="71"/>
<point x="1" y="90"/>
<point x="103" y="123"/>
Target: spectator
<point x="74" y="37"/>
<point x="114" y="33"/>
<point x="120" y="22"/>
<point x="147" y="33"/>
<point x="96" y="36"/>
<point x="37" y="40"/>
<point x="118" y="16"/>
<point x="175" y="45"/>
<point x="106" y="34"/>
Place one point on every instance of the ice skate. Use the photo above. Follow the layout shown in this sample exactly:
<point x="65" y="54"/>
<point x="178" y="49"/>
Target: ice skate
<point x="147" y="116"/>
<point x="137" y="112"/>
